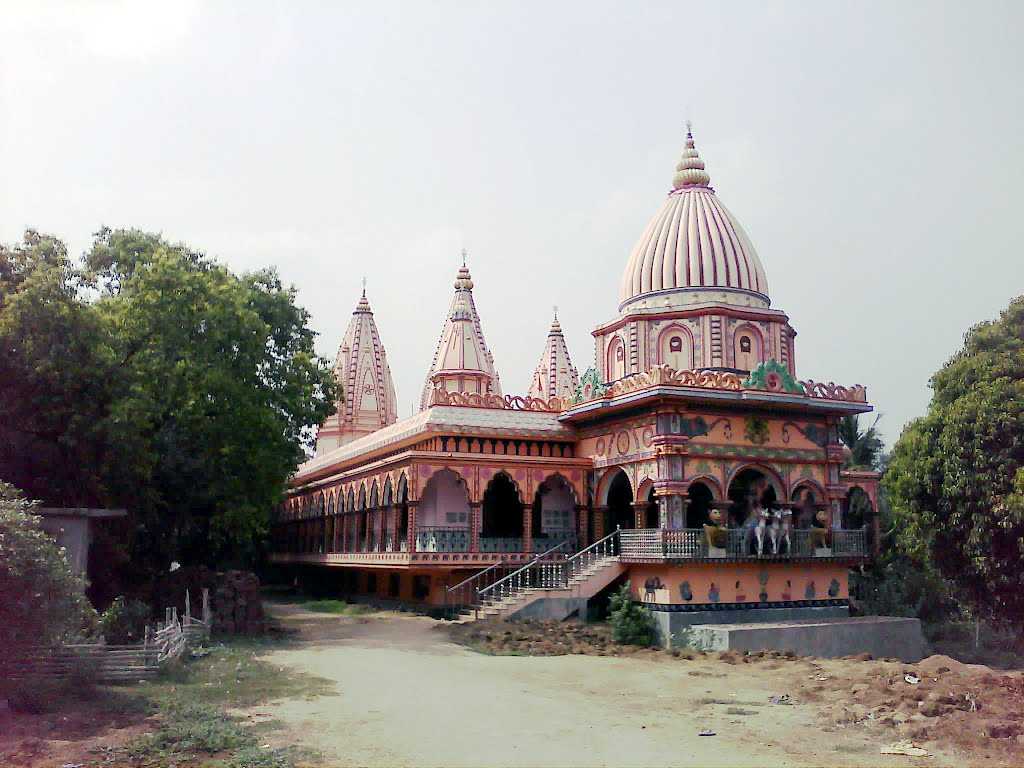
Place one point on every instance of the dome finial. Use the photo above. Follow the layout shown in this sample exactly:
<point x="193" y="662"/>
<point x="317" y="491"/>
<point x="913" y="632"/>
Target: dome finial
<point x="464" y="254"/>
<point x="690" y="170"/>
<point x="556" y="327"/>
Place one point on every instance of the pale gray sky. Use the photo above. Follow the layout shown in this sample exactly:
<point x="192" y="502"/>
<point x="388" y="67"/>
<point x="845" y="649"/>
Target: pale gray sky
<point x="871" y="150"/>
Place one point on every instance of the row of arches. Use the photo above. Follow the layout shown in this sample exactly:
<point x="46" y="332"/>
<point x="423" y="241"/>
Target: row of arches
<point x="748" y="489"/>
<point x="676" y="348"/>
<point x="443" y="519"/>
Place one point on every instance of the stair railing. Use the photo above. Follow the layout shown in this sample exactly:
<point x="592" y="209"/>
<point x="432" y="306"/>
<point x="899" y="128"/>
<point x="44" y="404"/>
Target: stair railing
<point x="466" y="594"/>
<point x="535" y="573"/>
<point x="585" y="558"/>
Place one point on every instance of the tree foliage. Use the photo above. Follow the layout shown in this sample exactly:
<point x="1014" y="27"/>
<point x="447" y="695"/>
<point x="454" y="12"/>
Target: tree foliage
<point x="44" y="601"/>
<point x="865" y="445"/>
<point x="151" y="377"/>
<point x="956" y="477"/>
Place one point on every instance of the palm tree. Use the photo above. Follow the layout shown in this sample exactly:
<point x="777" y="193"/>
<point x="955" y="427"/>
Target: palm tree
<point x="865" y="446"/>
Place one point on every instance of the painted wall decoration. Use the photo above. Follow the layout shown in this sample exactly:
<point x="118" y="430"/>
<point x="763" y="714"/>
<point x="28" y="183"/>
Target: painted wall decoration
<point x="756" y="430"/>
<point x="685" y="592"/>
<point x="817" y="434"/>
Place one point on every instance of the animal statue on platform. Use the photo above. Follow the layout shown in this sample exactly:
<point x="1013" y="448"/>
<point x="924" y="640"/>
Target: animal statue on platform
<point x="763" y="517"/>
<point x="820" y="535"/>
<point x="787" y="526"/>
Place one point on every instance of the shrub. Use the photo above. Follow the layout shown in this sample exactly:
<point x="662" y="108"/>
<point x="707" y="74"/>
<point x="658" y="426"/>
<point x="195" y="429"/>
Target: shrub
<point x="43" y="599"/>
<point x="632" y="624"/>
<point x="124" y="622"/>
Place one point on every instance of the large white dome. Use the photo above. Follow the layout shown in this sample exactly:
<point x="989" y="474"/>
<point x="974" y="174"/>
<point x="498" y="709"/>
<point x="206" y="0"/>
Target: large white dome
<point x="693" y="251"/>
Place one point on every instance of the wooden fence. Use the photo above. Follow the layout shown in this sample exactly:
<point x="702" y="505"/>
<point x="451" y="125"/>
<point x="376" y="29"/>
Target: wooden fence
<point x="105" y="663"/>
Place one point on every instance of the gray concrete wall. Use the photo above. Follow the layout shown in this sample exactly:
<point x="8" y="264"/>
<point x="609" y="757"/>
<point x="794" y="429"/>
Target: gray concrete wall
<point x="881" y="636"/>
<point x="672" y="627"/>
<point x="73" y="534"/>
<point x="556" y="608"/>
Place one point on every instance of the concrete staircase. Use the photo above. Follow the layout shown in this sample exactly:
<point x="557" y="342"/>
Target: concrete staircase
<point x="546" y="587"/>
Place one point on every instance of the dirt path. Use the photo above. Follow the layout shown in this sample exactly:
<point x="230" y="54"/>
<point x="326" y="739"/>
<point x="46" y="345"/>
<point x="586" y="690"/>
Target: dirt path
<point x="407" y="696"/>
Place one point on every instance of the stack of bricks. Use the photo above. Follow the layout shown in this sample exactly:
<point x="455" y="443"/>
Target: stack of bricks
<point x="237" y="605"/>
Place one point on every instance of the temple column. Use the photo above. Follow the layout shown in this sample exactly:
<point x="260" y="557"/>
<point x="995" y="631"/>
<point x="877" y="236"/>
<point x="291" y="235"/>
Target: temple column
<point x="475" y="518"/>
<point x="600" y="515"/>
<point x="395" y="514"/>
<point x="582" y="526"/>
<point x="527" y="527"/>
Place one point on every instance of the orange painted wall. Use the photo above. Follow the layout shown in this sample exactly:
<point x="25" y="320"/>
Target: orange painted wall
<point x="786" y="582"/>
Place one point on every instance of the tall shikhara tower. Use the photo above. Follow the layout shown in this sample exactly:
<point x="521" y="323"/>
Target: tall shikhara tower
<point x="462" y="362"/>
<point x="367" y="399"/>
<point x="555" y="375"/>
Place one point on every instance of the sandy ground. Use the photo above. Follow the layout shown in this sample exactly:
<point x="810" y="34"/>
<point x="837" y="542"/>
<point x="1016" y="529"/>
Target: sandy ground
<point x="408" y="696"/>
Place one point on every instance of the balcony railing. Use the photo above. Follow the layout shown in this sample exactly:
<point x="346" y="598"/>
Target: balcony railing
<point x="501" y="544"/>
<point x="442" y="540"/>
<point x="687" y="543"/>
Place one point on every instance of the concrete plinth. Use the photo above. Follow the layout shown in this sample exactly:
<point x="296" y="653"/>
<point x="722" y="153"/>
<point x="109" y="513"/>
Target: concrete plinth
<point x="673" y="627"/>
<point x="881" y="636"/>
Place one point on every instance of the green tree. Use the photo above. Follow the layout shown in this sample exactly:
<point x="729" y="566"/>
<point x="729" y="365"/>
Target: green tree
<point x="219" y="390"/>
<point x="55" y="376"/>
<point x="955" y="478"/>
<point x="44" y="601"/>
<point x="153" y="378"/>
<point x="632" y="624"/>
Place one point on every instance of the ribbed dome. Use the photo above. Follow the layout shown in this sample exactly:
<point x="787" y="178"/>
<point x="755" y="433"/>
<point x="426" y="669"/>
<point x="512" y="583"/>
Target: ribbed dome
<point x="692" y="248"/>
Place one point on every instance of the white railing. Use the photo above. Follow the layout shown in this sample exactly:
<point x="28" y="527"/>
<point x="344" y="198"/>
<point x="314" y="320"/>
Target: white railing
<point x="664" y="544"/>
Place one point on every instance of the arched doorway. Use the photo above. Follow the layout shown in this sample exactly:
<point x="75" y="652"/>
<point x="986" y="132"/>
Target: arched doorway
<point x="698" y="510"/>
<point x="501" y="528"/>
<point x="554" y="514"/>
<point x="442" y="518"/>
<point x="749" y="490"/>
<point x="652" y="517"/>
<point x="403" y="515"/>
<point x="620" y="503"/>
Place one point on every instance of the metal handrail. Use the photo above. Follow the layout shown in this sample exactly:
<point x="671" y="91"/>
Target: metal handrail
<point x="595" y="544"/>
<point x="478" y="575"/>
<point x="526" y="567"/>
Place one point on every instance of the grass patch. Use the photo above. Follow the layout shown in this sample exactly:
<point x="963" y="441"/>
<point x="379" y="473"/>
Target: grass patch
<point x="336" y="607"/>
<point x="190" y="700"/>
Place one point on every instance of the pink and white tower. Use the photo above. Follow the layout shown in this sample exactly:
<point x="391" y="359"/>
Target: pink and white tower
<point x="555" y="375"/>
<point x="367" y="394"/>
<point x="462" y="362"/>
<point x="694" y="294"/>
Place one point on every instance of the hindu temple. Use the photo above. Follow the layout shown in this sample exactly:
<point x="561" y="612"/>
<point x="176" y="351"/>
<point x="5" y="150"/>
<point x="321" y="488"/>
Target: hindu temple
<point x="692" y="461"/>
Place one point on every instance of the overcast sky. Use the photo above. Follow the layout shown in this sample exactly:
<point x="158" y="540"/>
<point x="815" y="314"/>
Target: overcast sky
<point x="872" y="152"/>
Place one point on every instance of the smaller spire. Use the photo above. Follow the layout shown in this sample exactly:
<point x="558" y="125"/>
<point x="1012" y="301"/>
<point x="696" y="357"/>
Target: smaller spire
<point x="556" y="327"/>
<point x="690" y="169"/>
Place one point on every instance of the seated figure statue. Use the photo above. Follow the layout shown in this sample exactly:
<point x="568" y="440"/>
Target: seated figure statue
<point x="820" y="535"/>
<point x="716" y="534"/>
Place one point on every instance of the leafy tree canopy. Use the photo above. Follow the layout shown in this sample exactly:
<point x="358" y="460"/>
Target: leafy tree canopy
<point x="956" y="478"/>
<point x="160" y="382"/>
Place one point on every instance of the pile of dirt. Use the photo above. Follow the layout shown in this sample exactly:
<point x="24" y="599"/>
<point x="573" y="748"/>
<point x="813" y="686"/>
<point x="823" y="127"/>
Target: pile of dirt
<point x="938" y="700"/>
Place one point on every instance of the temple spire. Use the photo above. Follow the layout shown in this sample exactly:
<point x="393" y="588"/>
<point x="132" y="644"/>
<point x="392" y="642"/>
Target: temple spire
<point x="462" y="362"/>
<point x="366" y="399"/>
<point x="690" y="169"/>
<point x="555" y="375"/>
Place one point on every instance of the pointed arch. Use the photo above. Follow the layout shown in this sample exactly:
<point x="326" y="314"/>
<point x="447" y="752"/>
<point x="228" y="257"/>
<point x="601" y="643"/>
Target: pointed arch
<point x="615" y="359"/>
<point x="388" y="495"/>
<point x="713" y="484"/>
<point x="604" y="484"/>
<point x="374" y="500"/>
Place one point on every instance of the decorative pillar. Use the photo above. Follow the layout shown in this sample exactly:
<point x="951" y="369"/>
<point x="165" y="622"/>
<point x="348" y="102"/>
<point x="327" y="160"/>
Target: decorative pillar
<point x="475" y="518"/>
<point x="600" y="514"/>
<point x="527" y="527"/>
<point x="639" y="513"/>
<point x="582" y="526"/>
<point x="410" y="542"/>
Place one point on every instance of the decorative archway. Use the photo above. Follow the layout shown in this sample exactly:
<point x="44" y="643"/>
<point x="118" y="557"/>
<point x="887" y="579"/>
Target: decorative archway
<point x="501" y="524"/>
<point x="675" y="347"/>
<point x="750" y="488"/>
<point x="616" y="359"/>
<point x="444" y="502"/>
<point x="619" y="502"/>
<point x="748" y="347"/>
<point x="554" y="511"/>
<point x="698" y="510"/>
